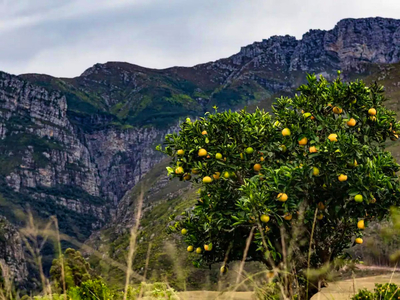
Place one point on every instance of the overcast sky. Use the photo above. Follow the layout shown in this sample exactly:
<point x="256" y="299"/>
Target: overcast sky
<point x="65" y="37"/>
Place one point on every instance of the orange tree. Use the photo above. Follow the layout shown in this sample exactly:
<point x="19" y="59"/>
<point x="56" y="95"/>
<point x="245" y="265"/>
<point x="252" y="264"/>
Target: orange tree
<point x="302" y="182"/>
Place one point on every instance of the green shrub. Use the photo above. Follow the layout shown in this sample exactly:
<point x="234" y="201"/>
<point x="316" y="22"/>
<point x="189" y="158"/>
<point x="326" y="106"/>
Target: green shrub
<point x="387" y="291"/>
<point x="91" y="290"/>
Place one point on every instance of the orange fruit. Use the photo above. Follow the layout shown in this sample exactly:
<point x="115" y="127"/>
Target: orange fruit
<point x="288" y="217"/>
<point x="342" y="177"/>
<point x="202" y="152"/>
<point x="264" y="218"/>
<point x="184" y="231"/>
<point x="218" y="156"/>
<point x="303" y="141"/>
<point x="321" y="206"/>
<point x="216" y="175"/>
<point x="180" y="152"/>
<point x="337" y="110"/>
<point x="359" y="241"/>
<point x="257" y="167"/>
<point x="187" y="177"/>
<point x="179" y="170"/>
<point x="320" y="216"/>
<point x="204" y="132"/>
<point x="313" y="149"/>
<point x="372" y="112"/>
<point x="190" y="248"/>
<point x="332" y="137"/>
<point x="198" y="250"/>
<point x="352" y="122"/>
<point x="282" y="197"/>
<point x="207" y="179"/>
<point x="315" y="171"/>
<point x="286" y="132"/>
<point x="360" y="224"/>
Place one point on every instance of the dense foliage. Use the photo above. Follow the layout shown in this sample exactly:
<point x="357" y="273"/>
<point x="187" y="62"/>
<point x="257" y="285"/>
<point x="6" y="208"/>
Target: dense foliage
<point x="385" y="291"/>
<point x="319" y="158"/>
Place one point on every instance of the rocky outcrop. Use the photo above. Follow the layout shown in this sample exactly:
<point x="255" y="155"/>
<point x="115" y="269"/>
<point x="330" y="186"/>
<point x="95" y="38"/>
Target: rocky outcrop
<point x="13" y="265"/>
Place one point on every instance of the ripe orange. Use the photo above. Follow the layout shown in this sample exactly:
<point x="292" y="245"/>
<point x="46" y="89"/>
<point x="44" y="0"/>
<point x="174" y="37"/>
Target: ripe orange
<point x="190" y="248"/>
<point x="360" y="224"/>
<point x="288" y="216"/>
<point x="352" y="122"/>
<point x="198" y="250"/>
<point x="372" y="112"/>
<point x="332" y="137"/>
<point x="206" y="247"/>
<point x="202" y="152"/>
<point x="223" y="269"/>
<point x="303" y="141"/>
<point x="218" y="156"/>
<point x="180" y="152"/>
<point x="179" y="170"/>
<point x="342" y="177"/>
<point x="358" y="198"/>
<point x="313" y="149"/>
<point x="262" y="158"/>
<point x="216" y="175"/>
<point x="187" y="177"/>
<point x="286" y="132"/>
<point x="282" y="197"/>
<point x="359" y="241"/>
<point x="204" y="132"/>
<point x="264" y="218"/>
<point x="207" y="179"/>
<point x="257" y="167"/>
<point x="208" y="156"/>
<point x="184" y="231"/>
<point x="337" y="110"/>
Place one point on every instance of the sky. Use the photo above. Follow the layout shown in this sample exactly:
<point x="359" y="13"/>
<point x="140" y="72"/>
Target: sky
<point x="65" y="37"/>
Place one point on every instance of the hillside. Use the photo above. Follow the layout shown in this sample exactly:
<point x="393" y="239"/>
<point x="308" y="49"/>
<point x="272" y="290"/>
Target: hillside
<point x="75" y="147"/>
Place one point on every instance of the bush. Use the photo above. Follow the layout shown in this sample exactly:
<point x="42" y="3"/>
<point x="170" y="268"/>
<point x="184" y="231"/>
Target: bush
<point x="387" y="291"/>
<point x="91" y="290"/>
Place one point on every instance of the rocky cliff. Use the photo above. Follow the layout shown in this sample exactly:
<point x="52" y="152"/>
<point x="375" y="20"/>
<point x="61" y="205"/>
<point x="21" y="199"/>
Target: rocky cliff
<point x="12" y="260"/>
<point x="73" y="147"/>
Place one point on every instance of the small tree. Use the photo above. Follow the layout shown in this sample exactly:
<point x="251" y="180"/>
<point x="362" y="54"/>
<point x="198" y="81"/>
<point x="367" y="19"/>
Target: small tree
<point x="300" y="184"/>
<point x="76" y="270"/>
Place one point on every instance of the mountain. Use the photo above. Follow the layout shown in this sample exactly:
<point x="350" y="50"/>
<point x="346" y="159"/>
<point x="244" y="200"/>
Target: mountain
<point x="78" y="147"/>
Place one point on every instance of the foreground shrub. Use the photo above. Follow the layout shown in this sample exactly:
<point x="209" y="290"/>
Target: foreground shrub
<point x="387" y="291"/>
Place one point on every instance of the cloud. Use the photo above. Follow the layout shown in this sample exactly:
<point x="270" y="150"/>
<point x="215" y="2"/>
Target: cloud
<point x="65" y="37"/>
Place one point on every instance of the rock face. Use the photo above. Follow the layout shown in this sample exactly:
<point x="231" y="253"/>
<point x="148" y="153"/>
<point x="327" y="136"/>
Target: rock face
<point x="73" y="147"/>
<point x="12" y="260"/>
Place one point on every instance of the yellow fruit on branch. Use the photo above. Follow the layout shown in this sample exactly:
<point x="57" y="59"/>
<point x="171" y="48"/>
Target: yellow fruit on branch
<point x="372" y="112"/>
<point x="204" y="132"/>
<point x="262" y="158"/>
<point x="207" y="179"/>
<point x="332" y="137"/>
<point x="257" y="167"/>
<point x="264" y="218"/>
<point x="320" y="216"/>
<point x="217" y="175"/>
<point x="218" y="156"/>
<point x="282" y="197"/>
<point x="337" y="110"/>
<point x="315" y="171"/>
<point x="288" y="217"/>
<point x="202" y="152"/>
<point x="303" y="141"/>
<point x="352" y="122"/>
<point x="180" y="152"/>
<point x="207" y="247"/>
<point x="342" y="177"/>
<point x="179" y="170"/>
<point x="190" y="248"/>
<point x="359" y="241"/>
<point x="360" y="224"/>
<point x="198" y="250"/>
<point x="358" y="198"/>
<point x="184" y="231"/>
<point x="321" y="206"/>
<point x="227" y="175"/>
<point x="372" y="118"/>
<point x="283" y="148"/>
<point x="223" y="269"/>
<point x="286" y="132"/>
<point x="249" y="150"/>
<point x="187" y="177"/>
<point x="373" y="200"/>
<point x="208" y="156"/>
<point x="313" y="149"/>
